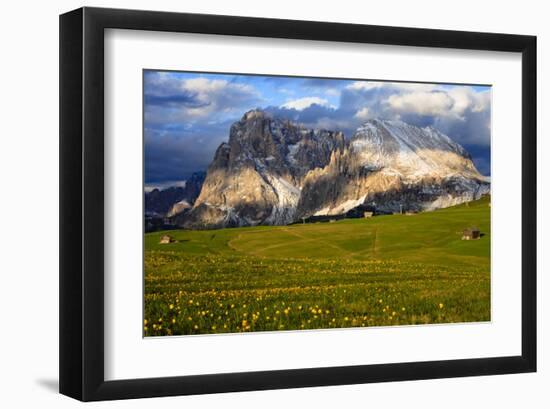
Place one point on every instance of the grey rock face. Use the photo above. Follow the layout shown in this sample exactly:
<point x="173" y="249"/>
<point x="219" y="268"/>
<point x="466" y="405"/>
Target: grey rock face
<point x="255" y="178"/>
<point x="393" y="166"/>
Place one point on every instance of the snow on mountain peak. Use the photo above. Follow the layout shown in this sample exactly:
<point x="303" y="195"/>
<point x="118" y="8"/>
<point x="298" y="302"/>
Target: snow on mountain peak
<point x="409" y="150"/>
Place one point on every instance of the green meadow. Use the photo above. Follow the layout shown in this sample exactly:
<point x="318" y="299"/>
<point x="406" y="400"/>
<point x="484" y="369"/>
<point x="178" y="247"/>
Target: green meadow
<point x="386" y="270"/>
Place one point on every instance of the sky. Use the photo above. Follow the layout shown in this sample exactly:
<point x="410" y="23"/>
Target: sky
<point x="188" y="114"/>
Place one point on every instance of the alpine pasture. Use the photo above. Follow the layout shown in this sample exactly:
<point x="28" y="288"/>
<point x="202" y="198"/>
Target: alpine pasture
<point x="384" y="270"/>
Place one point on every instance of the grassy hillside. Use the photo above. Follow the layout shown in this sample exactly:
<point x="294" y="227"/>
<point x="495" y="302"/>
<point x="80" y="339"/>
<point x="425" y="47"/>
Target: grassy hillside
<point x="387" y="270"/>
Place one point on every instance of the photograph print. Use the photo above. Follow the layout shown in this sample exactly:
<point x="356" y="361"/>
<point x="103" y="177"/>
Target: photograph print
<point x="276" y="203"/>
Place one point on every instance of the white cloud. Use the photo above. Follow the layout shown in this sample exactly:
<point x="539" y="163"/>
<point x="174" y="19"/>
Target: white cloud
<point x="204" y="86"/>
<point x="216" y="95"/>
<point x="395" y="98"/>
<point x="333" y="92"/>
<point x="208" y="96"/>
<point x="363" y="114"/>
<point x="423" y="103"/>
<point x="397" y="86"/>
<point x="305" y="102"/>
<point x="465" y="98"/>
<point x="329" y="123"/>
<point x="286" y="91"/>
<point x="454" y="103"/>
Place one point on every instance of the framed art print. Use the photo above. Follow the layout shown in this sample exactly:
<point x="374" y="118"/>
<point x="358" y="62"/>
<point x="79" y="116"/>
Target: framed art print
<point x="278" y="218"/>
<point x="256" y="204"/>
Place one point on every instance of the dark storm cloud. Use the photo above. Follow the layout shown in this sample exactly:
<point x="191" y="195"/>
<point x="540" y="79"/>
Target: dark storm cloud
<point x="473" y="128"/>
<point x="191" y="98"/>
<point x="481" y="155"/>
<point x="182" y="99"/>
<point x="188" y="115"/>
<point x="174" y="154"/>
<point x="318" y="116"/>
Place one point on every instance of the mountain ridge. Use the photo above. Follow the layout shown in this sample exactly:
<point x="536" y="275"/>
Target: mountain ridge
<point x="171" y="201"/>
<point x="273" y="171"/>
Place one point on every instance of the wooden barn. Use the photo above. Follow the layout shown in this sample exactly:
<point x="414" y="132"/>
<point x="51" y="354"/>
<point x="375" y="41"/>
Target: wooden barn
<point x="471" y="233"/>
<point x="166" y="239"/>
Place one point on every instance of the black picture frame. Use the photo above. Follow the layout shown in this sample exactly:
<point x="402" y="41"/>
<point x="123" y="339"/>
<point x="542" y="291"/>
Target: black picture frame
<point x="82" y="199"/>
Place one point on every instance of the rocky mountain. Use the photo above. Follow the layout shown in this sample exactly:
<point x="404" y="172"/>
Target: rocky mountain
<point x="393" y="166"/>
<point x="173" y="200"/>
<point x="272" y="171"/>
<point x="179" y="207"/>
<point x="256" y="177"/>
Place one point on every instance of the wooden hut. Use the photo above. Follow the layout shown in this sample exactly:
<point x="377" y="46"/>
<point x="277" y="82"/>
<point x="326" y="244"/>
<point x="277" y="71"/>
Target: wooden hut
<point x="471" y="233"/>
<point x="166" y="239"/>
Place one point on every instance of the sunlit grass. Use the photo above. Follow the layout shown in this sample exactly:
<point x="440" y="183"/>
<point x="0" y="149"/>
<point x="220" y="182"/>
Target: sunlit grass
<point x="392" y="270"/>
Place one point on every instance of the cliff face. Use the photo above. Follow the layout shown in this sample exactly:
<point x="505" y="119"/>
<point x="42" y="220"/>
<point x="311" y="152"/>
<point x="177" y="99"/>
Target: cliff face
<point x="256" y="177"/>
<point x="273" y="172"/>
<point x="393" y="166"/>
